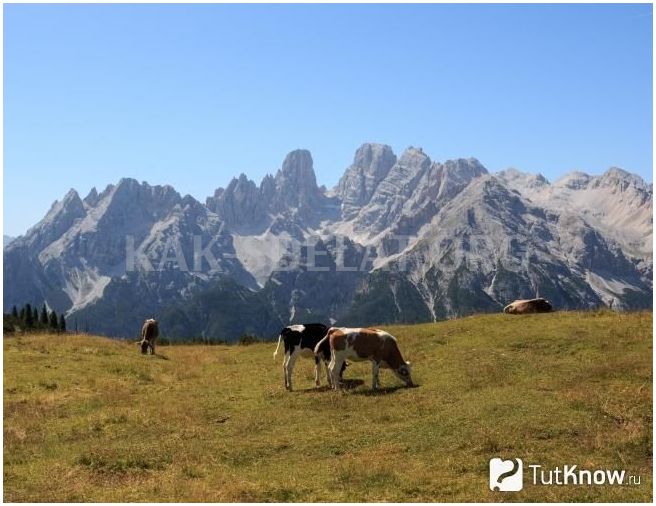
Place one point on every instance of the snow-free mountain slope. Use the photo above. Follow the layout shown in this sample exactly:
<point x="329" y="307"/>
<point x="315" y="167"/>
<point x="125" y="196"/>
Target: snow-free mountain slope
<point x="399" y="239"/>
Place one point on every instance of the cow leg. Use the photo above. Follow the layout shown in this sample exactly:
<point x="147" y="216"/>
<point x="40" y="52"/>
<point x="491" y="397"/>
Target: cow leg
<point x="317" y="371"/>
<point x="331" y="368"/>
<point x="375" y="367"/>
<point x="285" y="362"/>
<point x="328" y="378"/>
<point x="290" y="368"/>
<point x="335" y="367"/>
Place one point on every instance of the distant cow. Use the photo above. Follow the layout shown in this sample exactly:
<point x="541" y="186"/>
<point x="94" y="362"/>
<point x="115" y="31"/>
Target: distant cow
<point x="149" y="333"/>
<point x="301" y="340"/>
<point x="524" y="306"/>
<point x="365" y="344"/>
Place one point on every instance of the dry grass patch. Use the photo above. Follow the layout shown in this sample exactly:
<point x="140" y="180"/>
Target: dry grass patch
<point x="90" y="419"/>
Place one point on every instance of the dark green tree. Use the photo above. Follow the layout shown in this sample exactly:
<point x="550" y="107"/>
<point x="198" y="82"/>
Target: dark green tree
<point x="35" y="316"/>
<point x="44" y="315"/>
<point x="62" y="323"/>
<point x="54" y="324"/>
<point x="22" y="314"/>
<point x="29" y="316"/>
<point x="14" y="312"/>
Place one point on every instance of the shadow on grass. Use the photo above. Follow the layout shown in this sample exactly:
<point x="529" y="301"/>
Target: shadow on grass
<point x="383" y="390"/>
<point x="347" y="384"/>
<point x="350" y="384"/>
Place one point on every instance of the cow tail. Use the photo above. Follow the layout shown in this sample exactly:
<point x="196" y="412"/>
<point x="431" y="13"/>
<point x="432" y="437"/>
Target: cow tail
<point x="317" y="348"/>
<point x="275" y="353"/>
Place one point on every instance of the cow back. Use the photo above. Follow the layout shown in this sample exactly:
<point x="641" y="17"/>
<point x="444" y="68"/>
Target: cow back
<point x="150" y="330"/>
<point x="306" y="335"/>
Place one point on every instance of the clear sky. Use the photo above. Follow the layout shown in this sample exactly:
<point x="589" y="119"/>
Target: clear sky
<point x="191" y="95"/>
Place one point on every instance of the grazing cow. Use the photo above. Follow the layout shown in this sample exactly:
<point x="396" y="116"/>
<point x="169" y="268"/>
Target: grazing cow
<point x="300" y="340"/>
<point x="365" y="344"/>
<point x="149" y="333"/>
<point x="524" y="306"/>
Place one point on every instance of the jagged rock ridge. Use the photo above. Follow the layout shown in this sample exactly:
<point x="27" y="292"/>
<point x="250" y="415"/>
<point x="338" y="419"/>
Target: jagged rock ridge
<point x="399" y="239"/>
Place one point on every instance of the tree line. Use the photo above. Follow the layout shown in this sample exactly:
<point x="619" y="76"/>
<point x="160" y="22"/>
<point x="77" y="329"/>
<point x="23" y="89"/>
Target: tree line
<point x="29" y="317"/>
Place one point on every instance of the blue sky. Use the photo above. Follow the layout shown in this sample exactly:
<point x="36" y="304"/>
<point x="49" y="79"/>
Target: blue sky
<point x="191" y="95"/>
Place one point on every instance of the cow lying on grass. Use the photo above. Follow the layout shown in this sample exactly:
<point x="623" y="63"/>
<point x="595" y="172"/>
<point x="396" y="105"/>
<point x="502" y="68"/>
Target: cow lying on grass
<point x="364" y="344"/>
<point x="149" y="333"/>
<point x="525" y="306"/>
<point x="301" y="340"/>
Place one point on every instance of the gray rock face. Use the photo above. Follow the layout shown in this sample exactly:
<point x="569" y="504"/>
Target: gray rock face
<point x="296" y="184"/>
<point x="292" y="195"/>
<point x="92" y="198"/>
<point x="491" y="244"/>
<point x="617" y="203"/>
<point x="398" y="187"/>
<point x="409" y="196"/>
<point x="72" y="256"/>
<point x="370" y="166"/>
<point x="254" y="258"/>
<point x="61" y="216"/>
<point x="241" y="205"/>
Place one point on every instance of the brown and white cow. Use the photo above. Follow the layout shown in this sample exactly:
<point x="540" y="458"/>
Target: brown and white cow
<point x="149" y="333"/>
<point x="359" y="344"/>
<point x="525" y="306"/>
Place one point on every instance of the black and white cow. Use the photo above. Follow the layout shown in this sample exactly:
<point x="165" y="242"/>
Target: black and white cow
<point x="300" y="340"/>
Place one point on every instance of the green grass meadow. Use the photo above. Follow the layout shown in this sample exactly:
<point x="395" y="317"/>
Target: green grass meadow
<point x="90" y="419"/>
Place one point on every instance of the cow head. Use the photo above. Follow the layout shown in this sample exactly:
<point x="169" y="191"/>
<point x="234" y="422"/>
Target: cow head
<point x="403" y="373"/>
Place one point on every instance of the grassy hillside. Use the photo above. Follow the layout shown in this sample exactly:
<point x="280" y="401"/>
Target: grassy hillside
<point x="89" y="419"/>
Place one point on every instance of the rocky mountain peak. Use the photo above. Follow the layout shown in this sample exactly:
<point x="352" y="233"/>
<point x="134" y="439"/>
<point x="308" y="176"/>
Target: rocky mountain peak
<point x="372" y="162"/>
<point x="68" y="208"/>
<point x="297" y="171"/>
<point x="209" y="202"/>
<point x="476" y="241"/>
<point x="296" y="187"/>
<point x="414" y="158"/>
<point x="59" y="218"/>
<point x="241" y="185"/>
<point x="130" y="187"/>
<point x="71" y="196"/>
<point x="240" y="204"/>
<point x="621" y="179"/>
<point x="92" y="197"/>
<point x="574" y="180"/>
<point x="374" y="158"/>
<point x="132" y="206"/>
<point x="268" y="187"/>
<point x="523" y="182"/>
<point x="464" y="169"/>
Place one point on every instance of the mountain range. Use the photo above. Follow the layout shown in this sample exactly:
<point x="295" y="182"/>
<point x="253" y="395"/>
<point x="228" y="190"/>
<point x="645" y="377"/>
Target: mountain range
<point x="399" y="239"/>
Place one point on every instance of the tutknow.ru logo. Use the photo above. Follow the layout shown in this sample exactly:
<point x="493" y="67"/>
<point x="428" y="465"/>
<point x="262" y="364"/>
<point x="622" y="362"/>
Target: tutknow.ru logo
<point x="508" y="475"/>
